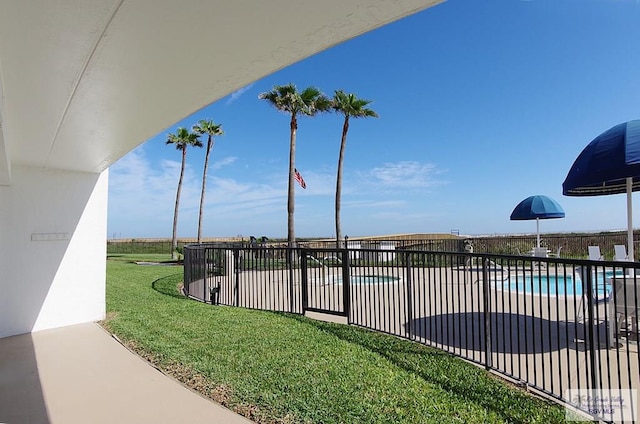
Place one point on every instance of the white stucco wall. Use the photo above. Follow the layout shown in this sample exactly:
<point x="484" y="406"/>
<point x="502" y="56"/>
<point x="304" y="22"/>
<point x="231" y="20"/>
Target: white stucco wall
<point x="53" y="229"/>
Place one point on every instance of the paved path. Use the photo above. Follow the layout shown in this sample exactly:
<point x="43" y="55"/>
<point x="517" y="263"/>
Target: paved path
<point x="80" y="374"/>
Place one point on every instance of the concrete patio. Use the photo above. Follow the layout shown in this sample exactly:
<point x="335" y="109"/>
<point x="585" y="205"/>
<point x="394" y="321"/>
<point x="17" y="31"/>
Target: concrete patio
<point x="81" y="374"/>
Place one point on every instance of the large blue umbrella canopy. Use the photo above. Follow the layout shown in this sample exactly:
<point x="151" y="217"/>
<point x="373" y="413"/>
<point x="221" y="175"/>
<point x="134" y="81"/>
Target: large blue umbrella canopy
<point x="610" y="164"/>
<point x="537" y="207"/>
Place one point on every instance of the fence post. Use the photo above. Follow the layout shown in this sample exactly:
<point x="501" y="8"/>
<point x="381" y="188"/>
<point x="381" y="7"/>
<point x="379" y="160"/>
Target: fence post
<point x="187" y="271"/>
<point x="209" y="260"/>
<point x="590" y="329"/>
<point x="203" y="267"/>
<point x="412" y="334"/>
<point x="486" y="298"/>
<point x="303" y="283"/>
<point x="291" y="261"/>
<point x="291" y="295"/>
<point x="236" y="274"/>
<point x="346" y="285"/>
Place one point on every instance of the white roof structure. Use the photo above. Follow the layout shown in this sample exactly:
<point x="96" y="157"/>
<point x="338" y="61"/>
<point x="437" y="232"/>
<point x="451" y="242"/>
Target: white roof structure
<point x="83" y="82"/>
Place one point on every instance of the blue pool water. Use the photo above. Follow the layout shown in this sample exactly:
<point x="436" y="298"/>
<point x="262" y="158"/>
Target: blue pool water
<point x="555" y="285"/>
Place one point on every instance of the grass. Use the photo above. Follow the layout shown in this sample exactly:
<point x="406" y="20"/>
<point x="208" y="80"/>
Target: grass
<point x="277" y="368"/>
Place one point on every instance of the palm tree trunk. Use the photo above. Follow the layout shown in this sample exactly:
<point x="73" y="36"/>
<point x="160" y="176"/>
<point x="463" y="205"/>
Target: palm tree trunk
<point x="291" y="235"/>
<point x="174" y="238"/>
<point x="343" y="143"/>
<point x="204" y="187"/>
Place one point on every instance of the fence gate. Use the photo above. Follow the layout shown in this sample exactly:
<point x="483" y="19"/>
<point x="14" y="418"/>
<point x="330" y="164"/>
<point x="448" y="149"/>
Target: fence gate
<point x="325" y="281"/>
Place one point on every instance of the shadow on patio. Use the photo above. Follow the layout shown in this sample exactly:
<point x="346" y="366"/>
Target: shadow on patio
<point x="509" y="333"/>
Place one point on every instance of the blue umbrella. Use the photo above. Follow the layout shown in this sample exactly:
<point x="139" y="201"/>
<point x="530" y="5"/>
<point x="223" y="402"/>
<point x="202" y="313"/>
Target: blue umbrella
<point x="537" y="207"/>
<point x="610" y="164"/>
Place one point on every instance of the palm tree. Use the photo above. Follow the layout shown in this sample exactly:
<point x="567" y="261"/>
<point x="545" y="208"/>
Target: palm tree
<point x="181" y="139"/>
<point x="349" y="106"/>
<point x="288" y="99"/>
<point x="211" y="129"/>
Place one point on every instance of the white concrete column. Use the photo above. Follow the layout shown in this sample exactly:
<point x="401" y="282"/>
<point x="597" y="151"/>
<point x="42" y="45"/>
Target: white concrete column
<point x="53" y="233"/>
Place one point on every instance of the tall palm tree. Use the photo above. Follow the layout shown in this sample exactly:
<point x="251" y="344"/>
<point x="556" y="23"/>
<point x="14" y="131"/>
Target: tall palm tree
<point x="349" y="106"/>
<point x="288" y="99"/>
<point x="182" y="139"/>
<point x="211" y="129"/>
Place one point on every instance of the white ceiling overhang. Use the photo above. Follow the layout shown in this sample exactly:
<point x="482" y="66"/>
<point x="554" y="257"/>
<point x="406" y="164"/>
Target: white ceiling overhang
<point x="85" y="81"/>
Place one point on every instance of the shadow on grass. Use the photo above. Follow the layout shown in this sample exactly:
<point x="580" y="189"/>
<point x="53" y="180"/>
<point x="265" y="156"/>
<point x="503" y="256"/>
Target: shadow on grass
<point x="169" y="286"/>
<point x="440" y="368"/>
<point x="121" y="258"/>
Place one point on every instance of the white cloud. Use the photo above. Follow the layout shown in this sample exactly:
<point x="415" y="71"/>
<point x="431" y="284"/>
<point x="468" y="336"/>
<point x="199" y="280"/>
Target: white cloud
<point x="224" y="162"/>
<point x="142" y="198"/>
<point x="405" y="174"/>
<point x="236" y="94"/>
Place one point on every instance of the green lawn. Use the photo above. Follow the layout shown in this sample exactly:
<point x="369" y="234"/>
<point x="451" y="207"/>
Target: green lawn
<point x="276" y="367"/>
<point x="139" y="257"/>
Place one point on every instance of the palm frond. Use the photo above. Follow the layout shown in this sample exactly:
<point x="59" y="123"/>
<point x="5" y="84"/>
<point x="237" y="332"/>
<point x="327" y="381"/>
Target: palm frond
<point x="183" y="138"/>
<point x="350" y="105"/>
<point x="287" y="98"/>
<point x="206" y="126"/>
<point x="282" y="97"/>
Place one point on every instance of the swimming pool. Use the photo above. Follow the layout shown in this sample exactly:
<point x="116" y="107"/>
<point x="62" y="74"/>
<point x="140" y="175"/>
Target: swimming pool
<point x="555" y="285"/>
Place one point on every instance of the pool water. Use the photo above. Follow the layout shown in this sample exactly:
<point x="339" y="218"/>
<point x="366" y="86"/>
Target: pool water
<point x="556" y="285"/>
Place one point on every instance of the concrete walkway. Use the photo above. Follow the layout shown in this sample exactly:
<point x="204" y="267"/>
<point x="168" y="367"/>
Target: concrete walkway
<point x="80" y="374"/>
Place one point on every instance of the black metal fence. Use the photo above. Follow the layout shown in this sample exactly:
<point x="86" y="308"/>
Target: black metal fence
<point x="567" y="245"/>
<point x="140" y="246"/>
<point x="239" y="275"/>
<point x="549" y="324"/>
<point x="573" y="246"/>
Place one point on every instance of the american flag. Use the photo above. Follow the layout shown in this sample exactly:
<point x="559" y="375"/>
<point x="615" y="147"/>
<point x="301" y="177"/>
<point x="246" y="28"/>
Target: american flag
<point x="299" y="179"/>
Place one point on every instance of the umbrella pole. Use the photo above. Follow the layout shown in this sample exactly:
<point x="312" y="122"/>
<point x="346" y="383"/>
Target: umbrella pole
<point x="538" y="232"/>
<point x="630" y="220"/>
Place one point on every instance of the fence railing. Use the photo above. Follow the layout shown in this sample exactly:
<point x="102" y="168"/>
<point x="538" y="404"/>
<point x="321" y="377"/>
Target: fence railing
<point x="548" y="324"/>
<point x="569" y="245"/>
<point x="573" y="246"/>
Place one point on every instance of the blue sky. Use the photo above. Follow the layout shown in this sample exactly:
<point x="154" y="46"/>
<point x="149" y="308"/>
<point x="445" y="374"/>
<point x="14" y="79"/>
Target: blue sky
<point x="481" y="104"/>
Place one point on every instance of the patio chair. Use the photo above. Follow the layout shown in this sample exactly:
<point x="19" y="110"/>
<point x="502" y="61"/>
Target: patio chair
<point x="557" y="254"/>
<point x="540" y="252"/>
<point x="627" y="303"/>
<point x="599" y="297"/>
<point x="594" y="253"/>
<point x="620" y="253"/>
<point x="475" y="265"/>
